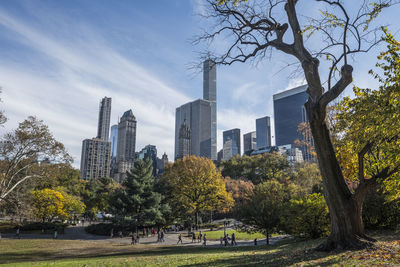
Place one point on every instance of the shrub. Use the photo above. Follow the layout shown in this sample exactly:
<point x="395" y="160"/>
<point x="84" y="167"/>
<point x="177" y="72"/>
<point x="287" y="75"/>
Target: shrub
<point x="307" y="217"/>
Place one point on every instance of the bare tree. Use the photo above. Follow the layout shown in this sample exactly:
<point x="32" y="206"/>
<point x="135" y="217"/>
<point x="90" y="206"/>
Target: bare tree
<point x="254" y="28"/>
<point x="27" y="153"/>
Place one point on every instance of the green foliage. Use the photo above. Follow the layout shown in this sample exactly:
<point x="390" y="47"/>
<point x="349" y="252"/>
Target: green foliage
<point x="197" y="186"/>
<point x="262" y="212"/>
<point x="137" y="198"/>
<point x="257" y="169"/>
<point x="307" y="217"/>
<point x="379" y="213"/>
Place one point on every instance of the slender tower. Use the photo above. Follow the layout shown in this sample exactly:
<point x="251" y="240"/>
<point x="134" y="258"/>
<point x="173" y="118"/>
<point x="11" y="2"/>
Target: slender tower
<point x="103" y="127"/>
<point x="210" y="94"/>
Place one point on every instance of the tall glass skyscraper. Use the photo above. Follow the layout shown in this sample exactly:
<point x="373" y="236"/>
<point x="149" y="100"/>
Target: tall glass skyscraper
<point x="114" y="140"/>
<point x="249" y="142"/>
<point x="289" y="112"/>
<point x="231" y="143"/>
<point x="263" y="132"/>
<point x="103" y="126"/>
<point x="201" y="117"/>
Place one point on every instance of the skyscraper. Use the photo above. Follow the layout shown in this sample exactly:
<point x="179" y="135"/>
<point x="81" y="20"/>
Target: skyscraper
<point x="263" y="132"/>
<point x="95" y="157"/>
<point x="289" y="112"/>
<point x="103" y="127"/>
<point x="200" y="116"/>
<point x="114" y="140"/>
<point x="231" y="143"/>
<point x="126" y="137"/>
<point x="249" y="142"/>
<point x="210" y="94"/>
<point x="126" y="145"/>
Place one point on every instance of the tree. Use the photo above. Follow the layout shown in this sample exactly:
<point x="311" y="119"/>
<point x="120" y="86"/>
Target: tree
<point x="306" y="176"/>
<point x="97" y="195"/>
<point x="240" y="189"/>
<point x="137" y="197"/>
<point x="49" y="204"/>
<point x="263" y="210"/>
<point x="255" y="28"/>
<point x="258" y="168"/>
<point x="197" y="186"/>
<point x="28" y="153"/>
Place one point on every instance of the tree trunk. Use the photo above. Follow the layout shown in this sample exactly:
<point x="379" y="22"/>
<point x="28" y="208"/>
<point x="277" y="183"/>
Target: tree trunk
<point x="267" y="236"/>
<point x="345" y="208"/>
<point x="197" y="220"/>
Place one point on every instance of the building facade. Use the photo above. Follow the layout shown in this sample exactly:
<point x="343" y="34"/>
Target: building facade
<point x="95" y="159"/>
<point x="249" y="142"/>
<point x="263" y="132"/>
<point x="201" y="117"/>
<point x="126" y="144"/>
<point x="103" y="126"/>
<point x="289" y="112"/>
<point x="231" y="143"/>
<point x="96" y="152"/>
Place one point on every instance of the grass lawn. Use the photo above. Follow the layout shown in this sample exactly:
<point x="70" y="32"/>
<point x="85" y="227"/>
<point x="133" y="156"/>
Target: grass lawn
<point x="215" y="235"/>
<point x="286" y="253"/>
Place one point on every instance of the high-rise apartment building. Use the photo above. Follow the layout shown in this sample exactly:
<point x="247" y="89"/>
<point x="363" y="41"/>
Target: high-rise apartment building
<point x="231" y="143"/>
<point x="114" y="140"/>
<point x="289" y="112"/>
<point x="126" y="145"/>
<point x="249" y="142"/>
<point x="263" y="132"/>
<point x="201" y="117"/>
<point x="103" y="127"/>
<point x="95" y="157"/>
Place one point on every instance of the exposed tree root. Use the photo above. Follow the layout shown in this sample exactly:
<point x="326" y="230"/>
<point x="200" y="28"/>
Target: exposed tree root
<point x="350" y="242"/>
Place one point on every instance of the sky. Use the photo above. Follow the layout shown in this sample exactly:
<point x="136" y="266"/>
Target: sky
<point x="59" y="58"/>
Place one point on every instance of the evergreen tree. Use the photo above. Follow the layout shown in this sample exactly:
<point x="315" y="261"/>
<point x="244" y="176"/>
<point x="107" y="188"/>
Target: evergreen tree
<point x="137" y="198"/>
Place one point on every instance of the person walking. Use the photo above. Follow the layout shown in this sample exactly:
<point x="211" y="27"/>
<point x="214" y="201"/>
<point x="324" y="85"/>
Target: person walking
<point x="226" y="240"/>
<point x="180" y="239"/>
<point x="205" y="240"/>
<point x="255" y="241"/>
<point x="162" y="236"/>
<point x="17" y="233"/>
<point x="133" y="239"/>
<point x="200" y="237"/>
<point x="55" y="233"/>
<point x="112" y="233"/>
<point x="193" y="237"/>
<point x="221" y="239"/>
<point x="137" y="237"/>
<point x="120" y="234"/>
<point x="233" y="242"/>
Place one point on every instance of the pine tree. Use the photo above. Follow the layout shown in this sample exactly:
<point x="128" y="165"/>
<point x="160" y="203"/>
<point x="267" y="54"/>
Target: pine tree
<point x="137" y="198"/>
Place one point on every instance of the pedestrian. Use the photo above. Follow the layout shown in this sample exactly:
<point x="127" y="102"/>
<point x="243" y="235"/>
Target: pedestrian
<point x="226" y="240"/>
<point x="193" y="237"/>
<point x="83" y="222"/>
<point x="158" y="236"/>
<point x="137" y="238"/>
<point x="180" y="239"/>
<point x="233" y="240"/>
<point x="133" y="239"/>
<point x="255" y="241"/>
<point x="205" y="240"/>
<point x="162" y="236"/>
<point x="17" y="233"/>
<point x="200" y="237"/>
<point x="0" y="236"/>
<point x="55" y="233"/>
<point x="221" y="239"/>
<point x="120" y="234"/>
<point x="112" y="233"/>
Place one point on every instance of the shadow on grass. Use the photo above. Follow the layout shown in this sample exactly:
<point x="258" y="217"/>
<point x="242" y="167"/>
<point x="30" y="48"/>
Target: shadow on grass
<point x="284" y="253"/>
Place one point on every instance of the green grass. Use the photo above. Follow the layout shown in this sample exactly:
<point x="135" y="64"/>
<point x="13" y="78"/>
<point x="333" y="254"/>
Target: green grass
<point x="215" y="235"/>
<point x="286" y="253"/>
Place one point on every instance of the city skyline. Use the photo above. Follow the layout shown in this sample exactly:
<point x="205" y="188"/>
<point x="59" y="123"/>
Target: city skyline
<point x="60" y="58"/>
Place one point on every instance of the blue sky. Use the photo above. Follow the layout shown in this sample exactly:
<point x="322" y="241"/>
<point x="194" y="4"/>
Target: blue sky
<point x="59" y="58"/>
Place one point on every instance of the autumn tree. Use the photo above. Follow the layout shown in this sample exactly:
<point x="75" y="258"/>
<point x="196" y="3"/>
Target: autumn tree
<point x="49" y="204"/>
<point x="254" y="28"/>
<point x="240" y="189"/>
<point x="26" y="153"/>
<point x="197" y="186"/>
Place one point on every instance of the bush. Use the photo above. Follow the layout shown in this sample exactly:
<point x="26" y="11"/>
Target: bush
<point x="307" y="217"/>
<point x="105" y="229"/>
<point x="379" y="213"/>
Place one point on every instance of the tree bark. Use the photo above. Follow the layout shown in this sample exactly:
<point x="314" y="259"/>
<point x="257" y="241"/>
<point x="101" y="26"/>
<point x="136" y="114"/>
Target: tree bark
<point x="345" y="208"/>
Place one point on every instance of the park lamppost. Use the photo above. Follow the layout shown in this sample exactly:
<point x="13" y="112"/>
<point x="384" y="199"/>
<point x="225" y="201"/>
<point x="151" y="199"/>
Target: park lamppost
<point x="224" y="227"/>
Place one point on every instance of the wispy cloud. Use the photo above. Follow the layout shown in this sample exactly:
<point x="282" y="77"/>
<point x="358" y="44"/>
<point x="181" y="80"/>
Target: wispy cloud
<point x="82" y="71"/>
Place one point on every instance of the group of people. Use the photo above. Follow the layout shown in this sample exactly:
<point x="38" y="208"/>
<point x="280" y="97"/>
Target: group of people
<point x="225" y="240"/>
<point x="135" y="238"/>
